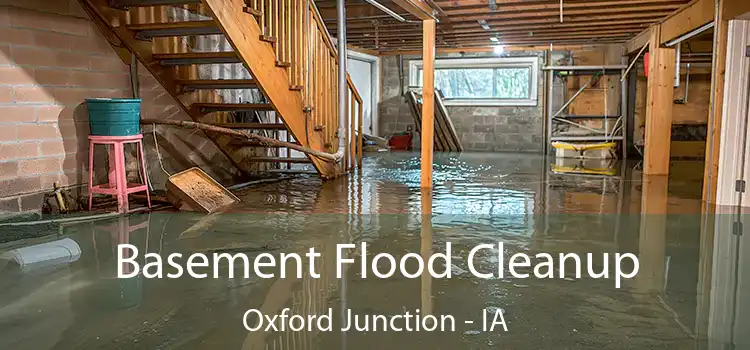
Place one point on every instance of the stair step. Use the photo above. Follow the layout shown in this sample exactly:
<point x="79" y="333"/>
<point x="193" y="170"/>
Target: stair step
<point x="217" y="84"/>
<point x="159" y="30"/>
<point x="296" y="160"/>
<point x="292" y="171"/>
<point x="232" y="107"/>
<point x="146" y="3"/>
<point x="187" y="58"/>
<point x="252" y="126"/>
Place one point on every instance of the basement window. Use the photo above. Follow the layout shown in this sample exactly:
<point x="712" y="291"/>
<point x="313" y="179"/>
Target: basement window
<point x="497" y="81"/>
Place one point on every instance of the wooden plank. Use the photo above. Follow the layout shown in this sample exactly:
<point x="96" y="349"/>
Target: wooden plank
<point x="235" y="107"/>
<point x="688" y="18"/>
<point x="659" y="101"/>
<point x="428" y="100"/>
<point x="218" y="83"/>
<point x="259" y="57"/>
<point x="252" y="126"/>
<point x="715" y="119"/>
<point x="636" y="44"/>
<point x="418" y="8"/>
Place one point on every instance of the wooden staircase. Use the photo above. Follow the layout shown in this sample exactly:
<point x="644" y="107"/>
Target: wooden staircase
<point x="286" y="85"/>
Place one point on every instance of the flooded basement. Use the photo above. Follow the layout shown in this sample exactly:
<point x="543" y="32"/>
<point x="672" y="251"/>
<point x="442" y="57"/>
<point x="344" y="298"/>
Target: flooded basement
<point x="691" y="291"/>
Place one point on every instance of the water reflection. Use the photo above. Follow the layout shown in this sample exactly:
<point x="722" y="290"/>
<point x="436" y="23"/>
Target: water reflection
<point x="690" y="293"/>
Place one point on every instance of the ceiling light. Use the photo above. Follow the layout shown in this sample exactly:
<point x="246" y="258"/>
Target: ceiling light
<point x="484" y="24"/>
<point x="498" y="50"/>
<point x="493" y="39"/>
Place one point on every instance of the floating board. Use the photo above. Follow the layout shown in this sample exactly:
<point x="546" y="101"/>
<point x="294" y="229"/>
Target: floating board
<point x="446" y="138"/>
<point x="194" y="190"/>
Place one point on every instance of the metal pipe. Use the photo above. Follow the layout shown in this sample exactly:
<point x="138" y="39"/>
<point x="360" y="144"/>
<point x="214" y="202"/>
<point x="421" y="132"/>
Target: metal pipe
<point x="678" y="56"/>
<point x="388" y="11"/>
<point x="690" y="34"/>
<point x="341" y="29"/>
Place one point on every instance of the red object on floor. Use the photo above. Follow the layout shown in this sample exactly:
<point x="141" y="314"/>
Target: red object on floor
<point x="646" y="59"/>
<point x="400" y="141"/>
<point x="118" y="183"/>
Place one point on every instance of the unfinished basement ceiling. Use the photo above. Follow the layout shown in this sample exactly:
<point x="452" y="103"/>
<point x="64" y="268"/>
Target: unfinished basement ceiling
<point x="513" y="22"/>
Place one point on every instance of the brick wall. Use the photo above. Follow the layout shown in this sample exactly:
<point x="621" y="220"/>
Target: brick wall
<point x="52" y="58"/>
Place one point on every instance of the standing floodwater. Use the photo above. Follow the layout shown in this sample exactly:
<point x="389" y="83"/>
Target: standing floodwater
<point x="519" y="200"/>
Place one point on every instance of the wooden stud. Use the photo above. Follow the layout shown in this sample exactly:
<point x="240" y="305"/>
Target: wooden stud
<point x="716" y="109"/>
<point x="659" y="102"/>
<point x="428" y="100"/>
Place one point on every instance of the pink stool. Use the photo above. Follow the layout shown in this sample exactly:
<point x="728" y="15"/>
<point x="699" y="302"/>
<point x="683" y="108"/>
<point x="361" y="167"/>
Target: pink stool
<point x="118" y="183"/>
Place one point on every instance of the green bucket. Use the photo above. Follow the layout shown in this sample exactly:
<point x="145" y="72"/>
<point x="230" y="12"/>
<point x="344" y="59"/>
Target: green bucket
<point x="114" y="116"/>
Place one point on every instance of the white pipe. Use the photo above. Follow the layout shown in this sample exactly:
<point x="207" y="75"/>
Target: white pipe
<point x="690" y="35"/>
<point x="343" y="88"/>
<point x="677" y="65"/>
<point x="62" y="251"/>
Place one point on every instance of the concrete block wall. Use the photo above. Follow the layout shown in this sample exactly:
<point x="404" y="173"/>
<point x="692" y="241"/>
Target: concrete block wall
<point x="52" y="58"/>
<point x="481" y="128"/>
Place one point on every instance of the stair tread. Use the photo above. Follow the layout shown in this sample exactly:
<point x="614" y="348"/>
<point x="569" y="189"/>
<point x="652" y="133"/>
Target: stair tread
<point x="218" y="83"/>
<point x="187" y="58"/>
<point x="172" y="25"/>
<point x="147" y="3"/>
<point x="170" y="29"/>
<point x="279" y="159"/>
<point x="234" y="106"/>
<point x="257" y="126"/>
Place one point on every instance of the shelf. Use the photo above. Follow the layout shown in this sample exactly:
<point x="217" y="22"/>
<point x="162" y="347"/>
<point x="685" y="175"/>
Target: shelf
<point x="586" y="138"/>
<point x="585" y="68"/>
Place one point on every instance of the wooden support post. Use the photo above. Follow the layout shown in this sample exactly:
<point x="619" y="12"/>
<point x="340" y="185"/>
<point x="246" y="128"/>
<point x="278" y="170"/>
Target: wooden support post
<point x="428" y="100"/>
<point x="659" y="102"/>
<point x="716" y="114"/>
<point x="652" y="237"/>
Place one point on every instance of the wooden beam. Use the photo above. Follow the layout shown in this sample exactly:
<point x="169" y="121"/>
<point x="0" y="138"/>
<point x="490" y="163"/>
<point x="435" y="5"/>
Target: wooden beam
<point x="484" y="49"/>
<point x="688" y="18"/>
<point x="418" y="8"/>
<point x="638" y="42"/>
<point x="716" y="109"/>
<point x="659" y="102"/>
<point x="428" y="101"/>
<point x="734" y="8"/>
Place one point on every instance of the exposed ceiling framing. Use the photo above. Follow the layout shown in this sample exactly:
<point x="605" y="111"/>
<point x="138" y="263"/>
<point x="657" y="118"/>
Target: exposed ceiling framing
<point x="514" y="22"/>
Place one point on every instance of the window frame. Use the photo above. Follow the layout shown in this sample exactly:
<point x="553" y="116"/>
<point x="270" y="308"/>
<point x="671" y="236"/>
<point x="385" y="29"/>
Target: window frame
<point x="492" y="62"/>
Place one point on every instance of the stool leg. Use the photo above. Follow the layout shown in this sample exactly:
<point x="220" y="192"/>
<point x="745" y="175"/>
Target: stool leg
<point x="91" y="172"/>
<point x="121" y="176"/>
<point x="113" y="179"/>
<point x="145" y="175"/>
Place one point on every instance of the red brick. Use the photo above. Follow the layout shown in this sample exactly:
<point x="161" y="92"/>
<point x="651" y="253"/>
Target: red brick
<point x="37" y="131"/>
<point x="54" y="77"/>
<point x="52" y="113"/>
<point x="13" y="151"/>
<point x="92" y="44"/>
<point x="10" y="133"/>
<point x="51" y="148"/>
<point x="12" y="114"/>
<point x="41" y="21"/>
<point x="107" y="64"/>
<point x="33" y="94"/>
<point x="4" y="18"/>
<point x="5" y="59"/>
<point x="16" y="36"/>
<point x="70" y="96"/>
<point x="16" y="76"/>
<point x="19" y="185"/>
<point x="6" y="94"/>
<point x="33" y="57"/>
<point x="8" y="170"/>
<point x="51" y="40"/>
<point x="74" y="130"/>
<point x="72" y="60"/>
<point x="39" y="166"/>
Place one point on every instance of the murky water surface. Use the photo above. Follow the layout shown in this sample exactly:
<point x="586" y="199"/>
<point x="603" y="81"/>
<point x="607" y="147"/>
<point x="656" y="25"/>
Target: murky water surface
<point x="691" y="291"/>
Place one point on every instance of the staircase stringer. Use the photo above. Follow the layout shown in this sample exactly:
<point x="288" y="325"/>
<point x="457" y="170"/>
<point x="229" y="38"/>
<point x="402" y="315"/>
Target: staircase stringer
<point x="109" y="24"/>
<point x="244" y="34"/>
